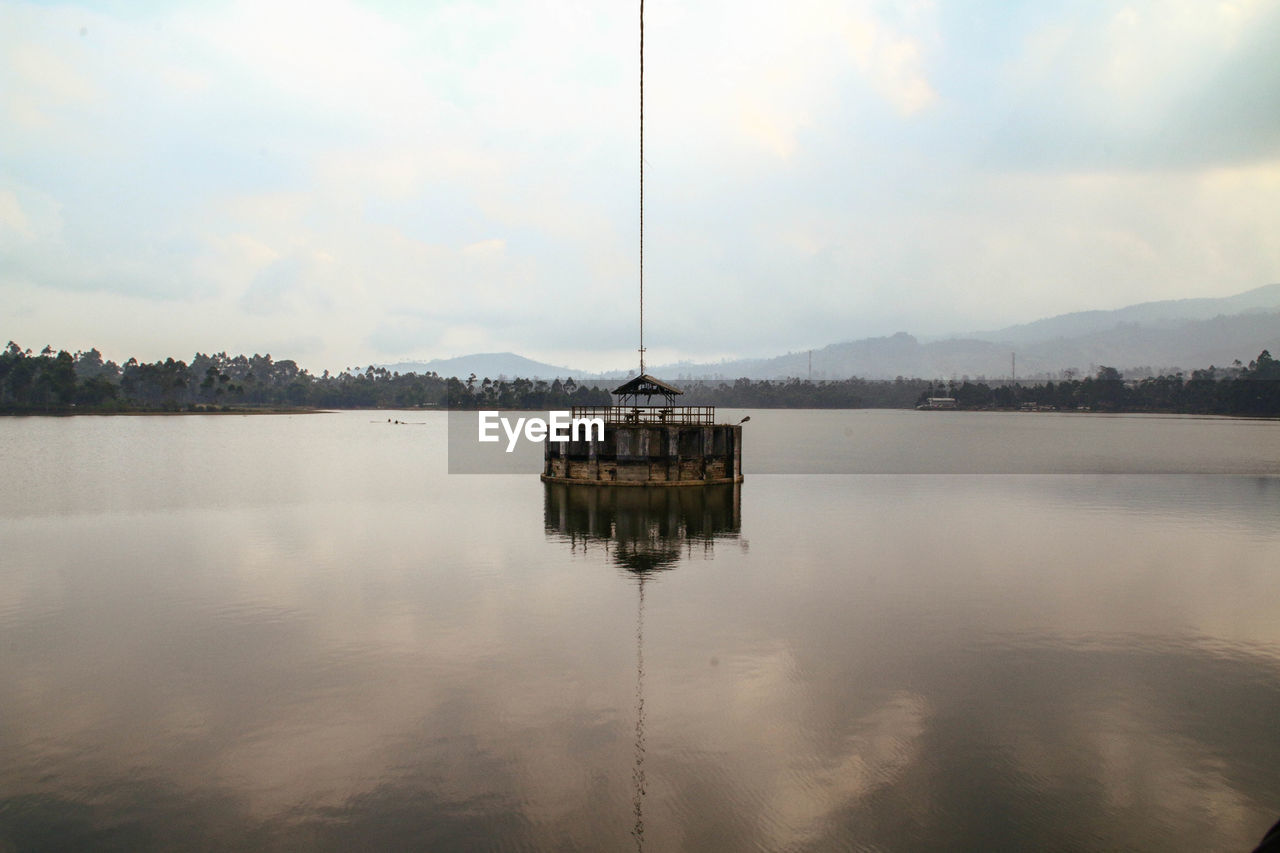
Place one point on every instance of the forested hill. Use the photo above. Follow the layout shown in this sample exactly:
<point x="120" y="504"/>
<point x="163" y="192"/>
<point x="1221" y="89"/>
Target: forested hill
<point x="61" y="382"/>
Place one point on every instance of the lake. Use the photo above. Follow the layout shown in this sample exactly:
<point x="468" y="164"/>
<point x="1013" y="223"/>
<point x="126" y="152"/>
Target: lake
<point x="903" y="631"/>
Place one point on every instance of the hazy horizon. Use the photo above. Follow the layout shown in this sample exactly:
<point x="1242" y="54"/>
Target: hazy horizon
<point x="1039" y="339"/>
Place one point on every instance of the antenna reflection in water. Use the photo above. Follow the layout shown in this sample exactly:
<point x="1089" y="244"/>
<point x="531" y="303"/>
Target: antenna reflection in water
<point x="645" y="530"/>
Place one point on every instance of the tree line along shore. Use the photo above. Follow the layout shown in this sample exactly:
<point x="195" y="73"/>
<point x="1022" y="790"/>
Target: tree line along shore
<point x="60" y="382"/>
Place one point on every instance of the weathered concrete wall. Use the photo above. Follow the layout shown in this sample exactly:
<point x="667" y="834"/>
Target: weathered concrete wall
<point x="649" y="454"/>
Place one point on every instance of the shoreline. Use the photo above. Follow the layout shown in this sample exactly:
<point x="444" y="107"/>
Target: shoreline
<point x="67" y="413"/>
<point x="162" y="413"/>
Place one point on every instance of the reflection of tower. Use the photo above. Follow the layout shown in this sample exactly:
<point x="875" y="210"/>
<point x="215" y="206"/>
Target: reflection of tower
<point x="644" y="530"/>
<point x="637" y="772"/>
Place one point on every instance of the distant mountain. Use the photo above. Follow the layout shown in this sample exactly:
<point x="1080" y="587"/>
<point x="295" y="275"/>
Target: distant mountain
<point x="1168" y="313"/>
<point x="1163" y="336"/>
<point x="486" y="364"/>
<point x="1173" y="334"/>
<point x="1187" y="345"/>
<point x="1162" y="346"/>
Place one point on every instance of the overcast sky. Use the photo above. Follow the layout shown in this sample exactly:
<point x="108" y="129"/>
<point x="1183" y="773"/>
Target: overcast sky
<point x="344" y="183"/>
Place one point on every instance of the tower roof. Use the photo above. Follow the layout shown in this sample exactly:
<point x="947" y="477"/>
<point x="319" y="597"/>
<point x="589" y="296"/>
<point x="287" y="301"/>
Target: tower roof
<point x="645" y="385"/>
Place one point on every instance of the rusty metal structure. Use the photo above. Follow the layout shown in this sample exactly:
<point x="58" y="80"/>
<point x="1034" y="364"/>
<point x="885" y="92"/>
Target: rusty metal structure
<point x="630" y="410"/>
<point x="646" y="444"/>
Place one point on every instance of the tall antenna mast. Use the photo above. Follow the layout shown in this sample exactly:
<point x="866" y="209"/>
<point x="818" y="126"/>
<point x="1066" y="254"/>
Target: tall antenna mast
<point x="641" y="187"/>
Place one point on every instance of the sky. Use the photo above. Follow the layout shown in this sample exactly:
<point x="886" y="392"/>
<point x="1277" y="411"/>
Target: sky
<point x="348" y="183"/>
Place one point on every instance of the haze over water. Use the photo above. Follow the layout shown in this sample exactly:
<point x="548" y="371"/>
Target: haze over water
<point x="904" y="631"/>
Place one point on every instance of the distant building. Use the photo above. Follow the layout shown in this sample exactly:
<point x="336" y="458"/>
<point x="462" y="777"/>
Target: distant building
<point x="938" y="403"/>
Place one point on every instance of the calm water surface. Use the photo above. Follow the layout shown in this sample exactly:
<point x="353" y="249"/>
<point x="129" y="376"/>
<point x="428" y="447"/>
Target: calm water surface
<point x="992" y="632"/>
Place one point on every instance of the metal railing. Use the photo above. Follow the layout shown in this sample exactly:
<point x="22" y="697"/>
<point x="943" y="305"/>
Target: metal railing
<point x="675" y="415"/>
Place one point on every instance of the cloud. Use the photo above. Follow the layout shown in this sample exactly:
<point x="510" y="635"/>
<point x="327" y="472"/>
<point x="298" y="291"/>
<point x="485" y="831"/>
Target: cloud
<point x="38" y="246"/>
<point x="1149" y="86"/>
<point x="485" y="248"/>
<point x="27" y="218"/>
<point x="814" y="172"/>
<point x="290" y="283"/>
<point x="730" y="78"/>
<point x="402" y="332"/>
